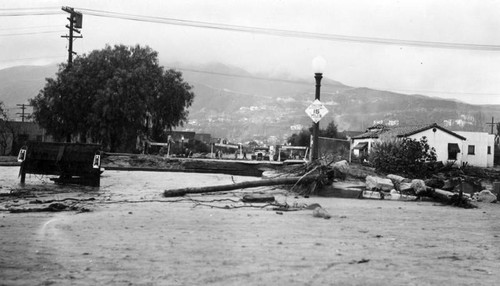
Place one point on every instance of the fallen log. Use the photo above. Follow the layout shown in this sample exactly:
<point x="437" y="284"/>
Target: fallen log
<point x="242" y="185"/>
<point x="450" y="198"/>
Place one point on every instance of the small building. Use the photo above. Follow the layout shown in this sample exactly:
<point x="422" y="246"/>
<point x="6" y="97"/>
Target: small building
<point x="15" y="134"/>
<point x="203" y="137"/>
<point x="474" y="148"/>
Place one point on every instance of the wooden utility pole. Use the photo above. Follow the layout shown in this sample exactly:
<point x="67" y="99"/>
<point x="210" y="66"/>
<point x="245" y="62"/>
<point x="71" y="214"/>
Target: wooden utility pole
<point x="22" y="113"/>
<point x="493" y="123"/>
<point x="75" y="22"/>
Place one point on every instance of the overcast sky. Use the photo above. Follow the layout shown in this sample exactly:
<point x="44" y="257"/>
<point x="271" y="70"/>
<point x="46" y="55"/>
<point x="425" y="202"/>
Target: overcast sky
<point x="446" y="48"/>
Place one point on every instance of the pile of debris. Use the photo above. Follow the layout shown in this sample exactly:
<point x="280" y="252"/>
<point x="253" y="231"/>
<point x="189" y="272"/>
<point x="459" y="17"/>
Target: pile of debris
<point x="313" y="178"/>
<point x="454" y="188"/>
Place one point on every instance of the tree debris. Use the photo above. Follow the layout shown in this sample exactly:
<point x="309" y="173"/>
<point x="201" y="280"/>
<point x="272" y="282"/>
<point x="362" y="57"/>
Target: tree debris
<point x="241" y="185"/>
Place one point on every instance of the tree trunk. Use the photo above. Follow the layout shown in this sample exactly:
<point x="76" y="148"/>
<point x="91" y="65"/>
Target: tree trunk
<point x="242" y="185"/>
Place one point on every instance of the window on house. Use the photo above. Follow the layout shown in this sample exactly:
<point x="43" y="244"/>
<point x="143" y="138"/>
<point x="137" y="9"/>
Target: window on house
<point x="471" y="150"/>
<point x="453" y="150"/>
<point x="489" y="150"/>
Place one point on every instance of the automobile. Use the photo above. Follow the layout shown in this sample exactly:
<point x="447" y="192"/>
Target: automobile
<point x="292" y="154"/>
<point x="261" y="154"/>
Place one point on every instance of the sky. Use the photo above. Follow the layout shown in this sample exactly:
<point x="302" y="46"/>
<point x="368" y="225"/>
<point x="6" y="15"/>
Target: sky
<point x="443" y="48"/>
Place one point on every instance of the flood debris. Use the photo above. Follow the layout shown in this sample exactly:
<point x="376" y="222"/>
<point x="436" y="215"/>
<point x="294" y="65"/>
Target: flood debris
<point x="53" y="207"/>
<point x="318" y="177"/>
<point x="236" y="186"/>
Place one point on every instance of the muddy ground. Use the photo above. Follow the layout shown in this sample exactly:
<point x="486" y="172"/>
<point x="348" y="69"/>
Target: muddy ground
<point x="126" y="233"/>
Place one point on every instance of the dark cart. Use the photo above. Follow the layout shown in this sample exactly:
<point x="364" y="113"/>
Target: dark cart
<point x="74" y="163"/>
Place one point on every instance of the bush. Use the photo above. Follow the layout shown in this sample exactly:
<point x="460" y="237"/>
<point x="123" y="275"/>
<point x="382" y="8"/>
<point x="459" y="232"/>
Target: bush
<point x="404" y="156"/>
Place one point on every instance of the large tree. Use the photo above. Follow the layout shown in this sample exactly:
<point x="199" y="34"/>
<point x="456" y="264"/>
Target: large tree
<point x="6" y="129"/>
<point x="111" y="96"/>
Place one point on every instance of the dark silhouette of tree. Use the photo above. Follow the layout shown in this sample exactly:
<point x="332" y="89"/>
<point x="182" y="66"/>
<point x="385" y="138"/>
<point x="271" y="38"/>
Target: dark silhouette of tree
<point x="303" y="138"/>
<point x="6" y="130"/>
<point x="112" y="96"/>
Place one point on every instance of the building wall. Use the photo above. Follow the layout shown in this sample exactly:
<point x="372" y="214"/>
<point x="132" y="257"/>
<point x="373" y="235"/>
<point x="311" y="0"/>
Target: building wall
<point x="480" y="141"/>
<point x="440" y="140"/>
<point x="357" y="141"/>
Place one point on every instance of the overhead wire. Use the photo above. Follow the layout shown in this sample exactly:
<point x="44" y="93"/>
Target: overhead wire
<point x="290" y="33"/>
<point x="257" y="30"/>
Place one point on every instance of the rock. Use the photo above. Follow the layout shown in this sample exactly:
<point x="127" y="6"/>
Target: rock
<point x="321" y="212"/>
<point x="406" y="188"/>
<point x="394" y="195"/>
<point x="396" y="178"/>
<point x="342" y="166"/>
<point x="418" y="186"/>
<point x="378" y="183"/>
<point x="486" y="196"/>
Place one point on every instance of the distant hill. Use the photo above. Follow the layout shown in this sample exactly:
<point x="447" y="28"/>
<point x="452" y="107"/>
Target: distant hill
<point x="240" y="106"/>
<point x="18" y="84"/>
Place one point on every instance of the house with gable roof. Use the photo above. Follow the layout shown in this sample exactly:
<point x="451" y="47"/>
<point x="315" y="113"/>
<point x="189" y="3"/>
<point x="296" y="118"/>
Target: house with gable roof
<point x="475" y="148"/>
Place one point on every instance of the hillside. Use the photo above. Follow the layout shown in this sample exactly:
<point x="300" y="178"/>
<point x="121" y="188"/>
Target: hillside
<point x="233" y="103"/>
<point x="17" y="84"/>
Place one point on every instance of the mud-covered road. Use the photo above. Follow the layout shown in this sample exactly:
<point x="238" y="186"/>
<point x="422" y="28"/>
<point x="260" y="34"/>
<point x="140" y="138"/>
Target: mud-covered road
<point x="130" y="235"/>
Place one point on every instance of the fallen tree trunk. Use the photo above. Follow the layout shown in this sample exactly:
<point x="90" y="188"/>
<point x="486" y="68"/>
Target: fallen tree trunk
<point x="455" y="199"/>
<point x="242" y="185"/>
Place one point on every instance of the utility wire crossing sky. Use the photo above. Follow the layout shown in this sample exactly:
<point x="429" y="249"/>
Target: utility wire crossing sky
<point x="448" y="49"/>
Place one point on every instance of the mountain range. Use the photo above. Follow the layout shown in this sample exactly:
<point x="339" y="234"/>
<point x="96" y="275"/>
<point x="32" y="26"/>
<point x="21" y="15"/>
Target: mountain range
<point x="233" y="103"/>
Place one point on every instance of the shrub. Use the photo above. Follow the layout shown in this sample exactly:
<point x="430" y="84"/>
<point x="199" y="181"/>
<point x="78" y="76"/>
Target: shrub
<point x="406" y="156"/>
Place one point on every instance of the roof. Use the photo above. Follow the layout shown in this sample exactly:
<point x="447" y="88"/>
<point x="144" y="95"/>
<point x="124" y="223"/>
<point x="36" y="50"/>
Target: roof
<point x="403" y="131"/>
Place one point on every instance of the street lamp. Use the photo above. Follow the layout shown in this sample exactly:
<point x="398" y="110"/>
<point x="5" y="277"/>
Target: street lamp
<point x="318" y="65"/>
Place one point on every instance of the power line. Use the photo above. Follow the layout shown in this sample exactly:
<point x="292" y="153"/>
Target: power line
<point x="31" y="33"/>
<point x="29" y="9"/>
<point x="31" y="58"/>
<point x="289" y="33"/>
<point x="303" y="82"/>
<point x="257" y="30"/>
<point x="28" y="27"/>
<point x="244" y="76"/>
<point x="34" y="13"/>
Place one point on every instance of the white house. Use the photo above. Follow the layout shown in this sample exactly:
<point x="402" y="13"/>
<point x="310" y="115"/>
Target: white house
<point x="475" y="148"/>
<point x="479" y="148"/>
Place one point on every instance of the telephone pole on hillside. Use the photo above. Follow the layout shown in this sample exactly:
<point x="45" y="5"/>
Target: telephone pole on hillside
<point x="75" y="23"/>
<point x="22" y="113"/>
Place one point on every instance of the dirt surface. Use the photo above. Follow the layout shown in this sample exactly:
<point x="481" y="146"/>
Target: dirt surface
<point x="134" y="236"/>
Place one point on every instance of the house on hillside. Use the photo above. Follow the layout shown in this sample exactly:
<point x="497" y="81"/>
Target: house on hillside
<point x="474" y="148"/>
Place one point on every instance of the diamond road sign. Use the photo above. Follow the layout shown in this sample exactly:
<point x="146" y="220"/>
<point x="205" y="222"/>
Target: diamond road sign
<point x="316" y="111"/>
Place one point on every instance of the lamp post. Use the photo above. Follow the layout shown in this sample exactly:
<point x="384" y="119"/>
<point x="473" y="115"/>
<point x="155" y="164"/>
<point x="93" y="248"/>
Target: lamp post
<point x="182" y="145"/>
<point x="318" y="65"/>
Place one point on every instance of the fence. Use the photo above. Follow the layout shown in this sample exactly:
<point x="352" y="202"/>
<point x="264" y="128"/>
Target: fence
<point x="338" y="149"/>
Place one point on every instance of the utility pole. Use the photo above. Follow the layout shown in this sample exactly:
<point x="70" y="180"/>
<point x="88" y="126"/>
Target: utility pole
<point x="22" y="113"/>
<point x="75" y="23"/>
<point x="493" y="123"/>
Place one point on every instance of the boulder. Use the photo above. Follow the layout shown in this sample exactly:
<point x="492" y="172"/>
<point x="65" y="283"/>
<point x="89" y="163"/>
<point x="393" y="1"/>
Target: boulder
<point x="378" y="183"/>
<point x="342" y="166"/>
<point x="406" y="188"/>
<point x="418" y="186"/>
<point x="396" y="178"/>
<point x="486" y="196"/>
